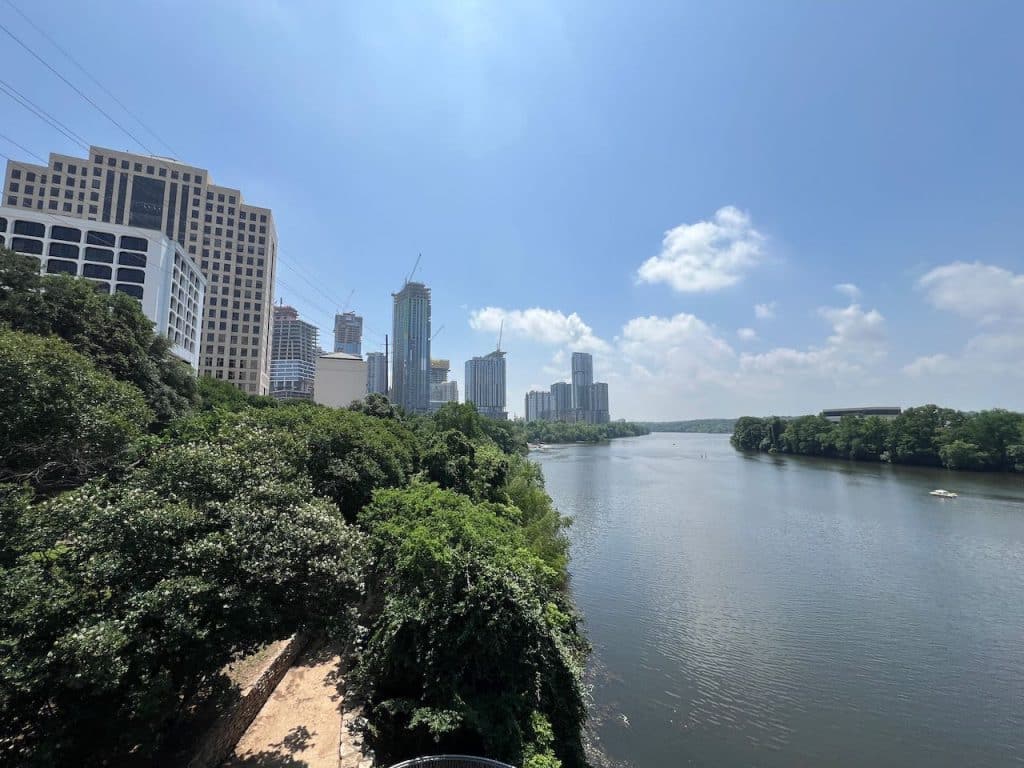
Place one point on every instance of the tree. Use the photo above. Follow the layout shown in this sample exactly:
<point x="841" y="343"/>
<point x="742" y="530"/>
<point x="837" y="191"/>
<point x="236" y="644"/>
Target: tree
<point x="111" y="330"/>
<point x="470" y="647"/>
<point x="61" y="420"/>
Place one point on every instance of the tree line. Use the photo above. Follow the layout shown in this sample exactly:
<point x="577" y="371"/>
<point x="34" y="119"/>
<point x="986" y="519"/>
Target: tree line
<point x="157" y="527"/>
<point x="928" y="435"/>
<point x="578" y="432"/>
<point x="704" y="426"/>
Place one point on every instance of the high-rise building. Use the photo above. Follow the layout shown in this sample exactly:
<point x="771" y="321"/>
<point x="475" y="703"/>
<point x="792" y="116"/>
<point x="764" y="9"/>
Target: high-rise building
<point x="376" y="373"/>
<point x="439" y="369"/>
<point x="293" y="356"/>
<point x="598" y="413"/>
<point x="582" y="378"/>
<point x="138" y="262"/>
<point x="348" y="333"/>
<point x="410" y="374"/>
<point x="561" y="401"/>
<point x="445" y="392"/>
<point x="538" y="406"/>
<point x="485" y="384"/>
<point x="234" y="243"/>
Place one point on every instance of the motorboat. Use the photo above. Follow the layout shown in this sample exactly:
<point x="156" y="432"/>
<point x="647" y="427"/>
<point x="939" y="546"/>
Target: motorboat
<point x="942" y="493"/>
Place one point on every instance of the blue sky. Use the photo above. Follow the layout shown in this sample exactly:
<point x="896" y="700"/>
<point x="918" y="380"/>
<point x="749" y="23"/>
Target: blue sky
<point x="633" y="179"/>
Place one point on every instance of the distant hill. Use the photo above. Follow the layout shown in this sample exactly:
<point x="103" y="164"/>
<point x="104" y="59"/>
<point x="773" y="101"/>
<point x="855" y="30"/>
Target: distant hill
<point x="713" y="426"/>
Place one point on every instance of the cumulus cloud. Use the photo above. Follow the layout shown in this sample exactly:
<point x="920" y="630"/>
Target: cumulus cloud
<point x="765" y="311"/>
<point x="746" y="334"/>
<point x="707" y="255"/>
<point x="546" y="326"/>
<point x="851" y="291"/>
<point x="980" y="292"/>
<point x="930" y="365"/>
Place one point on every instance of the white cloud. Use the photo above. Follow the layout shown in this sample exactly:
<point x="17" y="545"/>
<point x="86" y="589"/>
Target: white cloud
<point x="930" y="365"/>
<point x="546" y="326"/>
<point x="980" y="292"/>
<point x="746" y="334"/>
<point x="851" y="291"/>
<point x="765" y="311"/>
<point x="707" y="255"/>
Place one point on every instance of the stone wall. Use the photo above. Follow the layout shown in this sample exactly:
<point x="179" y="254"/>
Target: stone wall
<point x="217" y="743"/>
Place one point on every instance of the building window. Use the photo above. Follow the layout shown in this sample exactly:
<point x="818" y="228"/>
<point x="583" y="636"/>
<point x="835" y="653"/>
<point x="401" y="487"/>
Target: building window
<point x="100" y="238"/>
<point x="134" y="243"/>
<point x="72" y="168"/>
<point x="96" y="270"/>
<point x="67" y="207"/>
<point x="98" y="159"/>
<point x="131" y="275"/>
<point x="64" y="250"/>
<point x="30" y="228"/>
<point x="132" y="290"/>
<point x="58" y="267"/>
<point x="16" y="174"/>
<point x="70" y="234"/>
<point x="111" y="161"/>
<point x="15" y="187"/>
<point x="58" y="166"/>
<point x="127" y="259"/>
<point x="100" y="287"/>
<point x="25" y="245"/>
<point x="99" y="254"/>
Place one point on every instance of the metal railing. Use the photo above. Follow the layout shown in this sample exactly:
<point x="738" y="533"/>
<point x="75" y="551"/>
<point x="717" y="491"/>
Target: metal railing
<point x="451" y="761"/>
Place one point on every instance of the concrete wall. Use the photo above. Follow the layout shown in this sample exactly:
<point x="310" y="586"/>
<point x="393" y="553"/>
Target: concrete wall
<point x="339" y="381"/>
<point x="218" y="742"/>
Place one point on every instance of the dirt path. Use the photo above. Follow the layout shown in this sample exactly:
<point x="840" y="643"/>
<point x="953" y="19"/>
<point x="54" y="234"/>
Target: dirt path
<point x="300" y="725"/>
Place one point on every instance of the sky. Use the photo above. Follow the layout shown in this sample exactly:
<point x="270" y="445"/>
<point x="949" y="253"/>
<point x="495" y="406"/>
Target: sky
<point x="737" y="207"/>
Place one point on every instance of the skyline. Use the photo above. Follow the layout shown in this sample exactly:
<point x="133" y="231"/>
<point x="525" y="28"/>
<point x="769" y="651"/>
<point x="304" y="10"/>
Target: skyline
<point x="731" y="208"/>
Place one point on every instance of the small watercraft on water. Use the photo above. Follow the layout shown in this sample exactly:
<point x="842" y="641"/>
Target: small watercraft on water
<point x="942" y="493"/>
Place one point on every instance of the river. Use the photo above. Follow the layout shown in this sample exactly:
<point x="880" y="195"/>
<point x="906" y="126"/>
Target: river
<point x="789" y="611"/>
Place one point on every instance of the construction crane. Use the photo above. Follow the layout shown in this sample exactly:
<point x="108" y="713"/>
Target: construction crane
<point x="501" y="329"/>
<point x="437" y="332"/>
<point x="348" y="300"/>
<point x="414" y="267"/>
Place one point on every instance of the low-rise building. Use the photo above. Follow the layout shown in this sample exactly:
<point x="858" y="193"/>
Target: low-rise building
<point x="885" y="412"/>
<point x="141" y="263"/>
<point x="340" y="379"/>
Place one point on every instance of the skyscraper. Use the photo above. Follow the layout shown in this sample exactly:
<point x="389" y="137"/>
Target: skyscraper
<point x="599" y="403"/>
<point x="293" y="356"/>
<point x="234" y="243"/>
<point x="485" y="384"/>
<point x="582" y="378"/>
<point x="538" y="406"/>
<point x="348" y="333"/>
<point x="561" y="401"/>
<point x="376" y="373"/>
<point x="410" y="374"/>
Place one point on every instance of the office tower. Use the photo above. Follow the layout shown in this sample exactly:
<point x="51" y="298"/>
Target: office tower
<point x="138" y="262"/>
<point x="538" y="406"/>
<point x="561" y="400"/>
<point x="445" y="392"/>
<point x="410" y="370"/>
<point x="485" y="384"/>
<point x="376" y="373"/>
<point x="340" y="379"/>
<point x="599" y="403"/>
<point x="234" y="243"/>
<point x="582" y="378"/>
<point x="293" y="356"/>
<point x="439" y="369"/>
<point x="348" y="333"/>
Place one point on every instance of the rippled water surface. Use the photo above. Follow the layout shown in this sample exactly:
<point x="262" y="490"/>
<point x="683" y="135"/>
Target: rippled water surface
<point x="753" y="610"/>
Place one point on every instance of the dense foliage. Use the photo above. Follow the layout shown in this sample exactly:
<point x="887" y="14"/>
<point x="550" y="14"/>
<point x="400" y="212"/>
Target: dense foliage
<point x="579" y="432"/>
<point x="152" y="533"/>
<point x="929" y="435"/>
<point x="110" y="330"/>
<point x="705" y="426"/>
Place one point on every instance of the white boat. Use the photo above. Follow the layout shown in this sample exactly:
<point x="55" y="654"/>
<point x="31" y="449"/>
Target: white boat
<point x="942" y="493"/>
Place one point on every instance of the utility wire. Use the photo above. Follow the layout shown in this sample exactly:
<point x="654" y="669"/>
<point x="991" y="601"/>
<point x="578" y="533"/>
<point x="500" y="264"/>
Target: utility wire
<point x="22" y="100"/>
<point x="86" y="72"/>
<point x="23" y="148"/>
<point x="74" y="87"/>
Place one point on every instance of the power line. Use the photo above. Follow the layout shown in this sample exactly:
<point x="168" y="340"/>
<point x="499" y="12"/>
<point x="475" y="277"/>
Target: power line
<point x="74" y="87"/>
<point x="22" y="100"/>
<point x="22" y="148"/>
<point x="86" y="72"/>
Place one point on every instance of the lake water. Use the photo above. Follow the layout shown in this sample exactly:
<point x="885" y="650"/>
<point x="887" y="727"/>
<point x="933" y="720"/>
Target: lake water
<point x="783" y="611"/>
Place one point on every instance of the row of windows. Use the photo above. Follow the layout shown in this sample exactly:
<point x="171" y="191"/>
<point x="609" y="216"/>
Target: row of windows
<point x="73" y="235"/>
<point x="63" y="267"/>
<point x="68" y="251"/>
<point x="137" y="167"/>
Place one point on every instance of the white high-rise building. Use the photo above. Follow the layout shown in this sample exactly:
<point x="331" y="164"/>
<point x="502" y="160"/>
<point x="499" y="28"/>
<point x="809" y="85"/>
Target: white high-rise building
<point x="538" y="406"/>
<point x="114" y="258"/>
<point x="582" y="378"/>
<point x="485" y="384"/>
<point x="234" y="243"/>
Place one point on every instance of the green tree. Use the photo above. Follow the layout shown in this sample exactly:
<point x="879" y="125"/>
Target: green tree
<point x="61" y="420"/>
